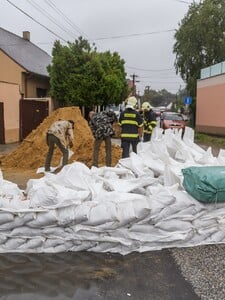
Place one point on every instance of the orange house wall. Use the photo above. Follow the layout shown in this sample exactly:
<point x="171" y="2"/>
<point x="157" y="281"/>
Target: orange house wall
<point x="210" y="105"/>
<point x="10" y="96"/>
<point x="10" y="71"/>
<point x="13" y="82"/>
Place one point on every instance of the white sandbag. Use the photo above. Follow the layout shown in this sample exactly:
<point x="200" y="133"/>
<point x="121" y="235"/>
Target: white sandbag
<point x="54" y="232"/>
<point x="154" y="163"/>
<point x="54" y="195"/>
<point x="218" y="236"/>
<point x="206" y="232"/>
<point x="45" y="195"/>
<point x="141" y="208"/>
<point x="157" y="133"/>
<point x="182" y="202"/>
<point x="74" y="214"/>
<point x="119" y="172"/>
<point x="35" y="184"/>
<point x="159" y="202"/>
<point x="143" y="228"/>
<point x="83" y="246"/>
<point x="8" y="189"/>
<point x="102" y="213"/>
<point x="6" y="217"/>
<point x="16" y="205"/>
<point x="24" y="231"/>
<point x="53" y="242"/>
<point x="172" y="176"/>
<point x="66" y="246"/>
<point x="207" y="158"/>
<point x="221" y="157"/>
<point x="3" y="239"/>
<point x="18" y="221"/>
<point x="32" y="244"/>
<point x="188" y="134"/>
<point x="13" y="243"/>
<point x="187" y="200"/>
<point x="204" y="223"/>
<point x="43" y="219"/>
<point x="138" y="165"/>
<point x="105" y="247"/>
<point x="187" y="214"/>
<point x="133" y="164"/>
<point x="174" y="225"/>
<point x="74" y="176"/>
<point x="129" y="185"/>
<point x="126" y="212"/>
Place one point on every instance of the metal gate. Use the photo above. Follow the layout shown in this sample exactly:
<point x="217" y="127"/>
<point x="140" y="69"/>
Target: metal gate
<point x="2" y="124"/>
<point x="32" y="113"/>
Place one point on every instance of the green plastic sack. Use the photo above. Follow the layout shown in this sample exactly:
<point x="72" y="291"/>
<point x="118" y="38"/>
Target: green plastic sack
<point x="205" y="184"/>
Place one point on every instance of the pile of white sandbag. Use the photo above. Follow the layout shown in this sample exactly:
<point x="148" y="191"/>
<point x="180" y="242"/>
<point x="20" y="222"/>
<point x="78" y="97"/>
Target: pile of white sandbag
<point x="139" y="205"/>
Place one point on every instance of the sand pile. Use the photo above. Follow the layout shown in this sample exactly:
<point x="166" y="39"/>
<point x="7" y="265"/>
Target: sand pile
<point x="31" y="153"/>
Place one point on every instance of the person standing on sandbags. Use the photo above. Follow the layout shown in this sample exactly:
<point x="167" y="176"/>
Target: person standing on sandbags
<point x="101" y="125"/>
<point x="60" y="134"/>
<point x="131" y="123"/>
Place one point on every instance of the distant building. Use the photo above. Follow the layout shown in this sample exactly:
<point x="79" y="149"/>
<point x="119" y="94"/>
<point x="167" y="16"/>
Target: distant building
<point x="210" y="100"/>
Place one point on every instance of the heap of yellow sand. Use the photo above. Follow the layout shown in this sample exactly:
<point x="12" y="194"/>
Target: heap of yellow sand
<point x="31" y="153"/>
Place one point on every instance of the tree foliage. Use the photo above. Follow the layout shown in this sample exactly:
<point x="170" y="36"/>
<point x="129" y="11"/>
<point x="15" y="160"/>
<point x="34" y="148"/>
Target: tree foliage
<point x="200" y="40"/>
<point x="81" y="76"/>
<point x="158" y="98"/>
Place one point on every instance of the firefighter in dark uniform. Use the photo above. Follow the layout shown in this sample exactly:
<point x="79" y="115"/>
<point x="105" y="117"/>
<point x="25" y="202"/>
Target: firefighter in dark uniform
<point x="131" y="123"/>
<point x="150" y="122"/>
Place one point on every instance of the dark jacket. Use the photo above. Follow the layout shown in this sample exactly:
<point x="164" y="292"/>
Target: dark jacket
<point x="130" y="121"/>
<point x="149" y="121"/>
<point x="101" y="124"/>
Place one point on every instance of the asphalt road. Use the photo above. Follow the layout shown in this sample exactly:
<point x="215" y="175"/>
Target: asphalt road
<point x="92" y="276"/>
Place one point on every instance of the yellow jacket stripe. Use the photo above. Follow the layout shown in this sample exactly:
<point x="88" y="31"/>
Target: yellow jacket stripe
<point x="130" y="122"/>
<point x="129" y="135"/>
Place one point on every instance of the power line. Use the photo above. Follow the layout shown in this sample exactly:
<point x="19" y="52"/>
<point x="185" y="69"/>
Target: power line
<point x="73" y="25"/>
<point x="51" y="18"/>
<point x="181" y="1"/>
<point x="49" y="30"/>
<point x="133" y="34"/>
<point x="149" y="70"/>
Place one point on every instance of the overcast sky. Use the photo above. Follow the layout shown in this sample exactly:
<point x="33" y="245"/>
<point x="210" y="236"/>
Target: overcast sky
<point x="141" y="31"/>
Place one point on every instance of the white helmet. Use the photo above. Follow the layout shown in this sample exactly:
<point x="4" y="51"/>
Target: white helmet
<point x="132" y="102"/>
<point x="146" y="106"/>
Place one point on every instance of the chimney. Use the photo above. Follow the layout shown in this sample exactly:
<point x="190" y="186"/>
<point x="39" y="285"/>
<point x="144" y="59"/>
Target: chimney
<point x="26" y="35"/>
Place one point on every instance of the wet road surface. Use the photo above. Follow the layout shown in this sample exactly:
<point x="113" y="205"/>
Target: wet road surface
<point x="95" y="276"/>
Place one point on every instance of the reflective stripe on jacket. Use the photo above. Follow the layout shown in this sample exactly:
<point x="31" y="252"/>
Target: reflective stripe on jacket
<point x="130" y="121"/>
<point x="149" y="121"/>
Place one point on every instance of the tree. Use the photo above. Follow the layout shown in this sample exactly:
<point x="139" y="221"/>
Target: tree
<point x="114" y="88"/>
<point x="200" y="40"/>
<point x="81" y="76"/>
<point x="158" y="98"/>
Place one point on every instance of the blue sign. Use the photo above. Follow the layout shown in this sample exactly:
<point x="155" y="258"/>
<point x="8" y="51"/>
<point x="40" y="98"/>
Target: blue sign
<point x="188" y="100"/>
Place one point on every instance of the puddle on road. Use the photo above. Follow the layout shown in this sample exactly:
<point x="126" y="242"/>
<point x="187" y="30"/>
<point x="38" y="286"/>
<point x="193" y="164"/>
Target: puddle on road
<point x="94" y="276"/>
<point x="64" y="275"/>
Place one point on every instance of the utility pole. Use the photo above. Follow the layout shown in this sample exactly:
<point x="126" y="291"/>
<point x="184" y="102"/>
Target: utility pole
<point x="134" y="76"/>
<point x="147" y="88"/>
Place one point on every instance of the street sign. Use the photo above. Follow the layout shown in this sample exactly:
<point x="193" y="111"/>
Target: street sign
<point x="188" y="100"/>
